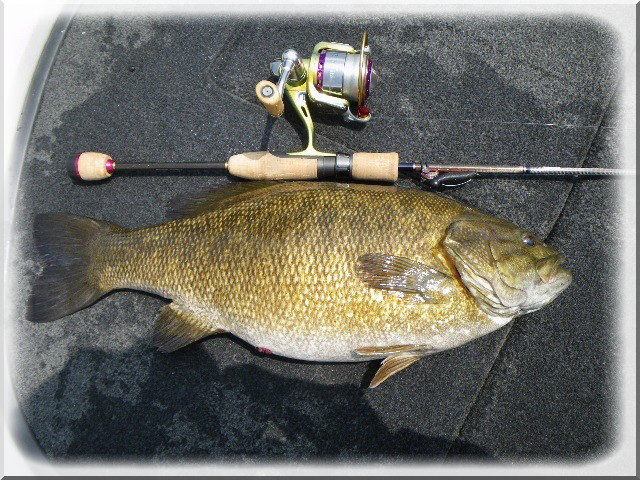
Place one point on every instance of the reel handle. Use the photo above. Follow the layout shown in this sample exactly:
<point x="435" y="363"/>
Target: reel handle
<point x="269" y="95"/>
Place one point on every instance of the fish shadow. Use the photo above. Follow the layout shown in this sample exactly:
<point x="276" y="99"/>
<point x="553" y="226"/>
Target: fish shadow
<point x="372" y="368"/>
<point x="182" y="406"/>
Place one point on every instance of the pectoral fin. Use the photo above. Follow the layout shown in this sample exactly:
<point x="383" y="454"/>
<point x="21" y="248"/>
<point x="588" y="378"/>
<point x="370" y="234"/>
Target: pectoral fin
<point x="177" y="327"/>
<point x="392" y="365"/>
<point x="404" y="277"/>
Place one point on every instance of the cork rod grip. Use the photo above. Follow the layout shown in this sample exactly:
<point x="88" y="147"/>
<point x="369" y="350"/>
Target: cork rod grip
<point x="91" y="166"/>
<point x="267" y="92"/>
<point x="375" y="166"/>
<point x="266" y="166"/>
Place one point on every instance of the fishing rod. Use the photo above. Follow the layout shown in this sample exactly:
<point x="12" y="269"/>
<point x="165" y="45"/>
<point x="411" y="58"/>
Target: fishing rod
<point x="382" y="167"/>
<point x="337" y="79"/>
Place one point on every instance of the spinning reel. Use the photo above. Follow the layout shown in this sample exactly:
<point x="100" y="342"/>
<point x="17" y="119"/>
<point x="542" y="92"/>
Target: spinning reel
<point x="336" y="78"/>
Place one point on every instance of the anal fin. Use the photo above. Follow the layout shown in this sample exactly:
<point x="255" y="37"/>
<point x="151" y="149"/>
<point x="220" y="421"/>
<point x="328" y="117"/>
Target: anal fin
<point x="392" y="365"/>
<point x="177" y="327"/>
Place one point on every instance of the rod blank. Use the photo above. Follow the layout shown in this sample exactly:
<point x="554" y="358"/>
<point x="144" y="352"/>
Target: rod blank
<point x="94" y="166"/>
<point x="522" y="169"/>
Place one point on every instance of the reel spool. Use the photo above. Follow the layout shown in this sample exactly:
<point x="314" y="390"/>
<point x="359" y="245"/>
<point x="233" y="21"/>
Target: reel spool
<point x="337" y="78"/>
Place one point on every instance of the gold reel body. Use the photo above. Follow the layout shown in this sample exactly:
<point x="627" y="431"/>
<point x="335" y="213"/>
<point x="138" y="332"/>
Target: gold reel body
<point x="337" y="78"/>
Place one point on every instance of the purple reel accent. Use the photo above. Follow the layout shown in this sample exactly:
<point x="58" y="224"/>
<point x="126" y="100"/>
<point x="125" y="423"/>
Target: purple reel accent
<point x="321" y="60"/>
<point x="368" y="82"/>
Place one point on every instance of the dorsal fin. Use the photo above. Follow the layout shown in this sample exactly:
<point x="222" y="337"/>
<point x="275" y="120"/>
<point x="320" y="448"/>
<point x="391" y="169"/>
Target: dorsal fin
<point x="193" y="204"/>
<point x="190" y="205"/>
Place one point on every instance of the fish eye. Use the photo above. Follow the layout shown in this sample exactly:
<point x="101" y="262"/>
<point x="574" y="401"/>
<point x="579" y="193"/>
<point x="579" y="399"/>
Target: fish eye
<point x="529" y="241"/>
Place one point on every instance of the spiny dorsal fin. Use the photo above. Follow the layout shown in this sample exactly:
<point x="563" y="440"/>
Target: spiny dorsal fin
<point x="392" y="365"/>
<point x="177" y="327"/>
<point x="376" y="351"/>
<point x="404" y="277"/>
<point x="192" y="204"/>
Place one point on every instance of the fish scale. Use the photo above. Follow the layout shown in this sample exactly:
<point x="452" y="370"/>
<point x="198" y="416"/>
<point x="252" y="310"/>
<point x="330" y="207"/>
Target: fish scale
<point x="312" y="271"/>
<point x="280" y="271"/>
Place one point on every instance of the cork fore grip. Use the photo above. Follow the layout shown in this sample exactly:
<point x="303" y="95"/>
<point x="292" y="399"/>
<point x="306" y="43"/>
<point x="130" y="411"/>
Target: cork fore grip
<point x="267" y="92"/>
<point x="92" y="166"/>
<point x="375" y="166"/>
<point x="266" y="166"/>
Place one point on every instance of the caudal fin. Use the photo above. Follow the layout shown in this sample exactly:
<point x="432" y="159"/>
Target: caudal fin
<point x="69" y="281"/>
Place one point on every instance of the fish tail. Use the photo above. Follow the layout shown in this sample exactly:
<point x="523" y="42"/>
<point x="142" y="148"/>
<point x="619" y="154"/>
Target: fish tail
<point x="71" y="277"/>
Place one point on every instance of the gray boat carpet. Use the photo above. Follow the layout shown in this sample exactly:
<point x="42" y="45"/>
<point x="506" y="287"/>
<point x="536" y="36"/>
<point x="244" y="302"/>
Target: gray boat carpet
<point x="533" y="90"/>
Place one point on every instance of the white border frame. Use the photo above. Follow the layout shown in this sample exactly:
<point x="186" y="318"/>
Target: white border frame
<point x="27" y="25"/>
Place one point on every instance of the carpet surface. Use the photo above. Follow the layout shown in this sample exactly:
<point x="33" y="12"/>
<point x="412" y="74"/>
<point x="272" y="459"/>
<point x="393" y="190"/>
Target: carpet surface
<point x="490" y="90"/>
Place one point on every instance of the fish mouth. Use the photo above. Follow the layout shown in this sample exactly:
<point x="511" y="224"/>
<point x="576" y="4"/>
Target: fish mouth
<point x="549" y="268"/>
<point x="563" y="279"/>
<point x="552" y="290"/>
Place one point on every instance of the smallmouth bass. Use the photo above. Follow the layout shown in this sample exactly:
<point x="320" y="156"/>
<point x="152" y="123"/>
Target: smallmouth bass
<point x="311" y="271"/>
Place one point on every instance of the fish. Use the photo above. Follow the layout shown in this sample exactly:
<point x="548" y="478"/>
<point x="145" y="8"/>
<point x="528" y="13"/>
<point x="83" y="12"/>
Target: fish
<point x="323" y="272"/>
